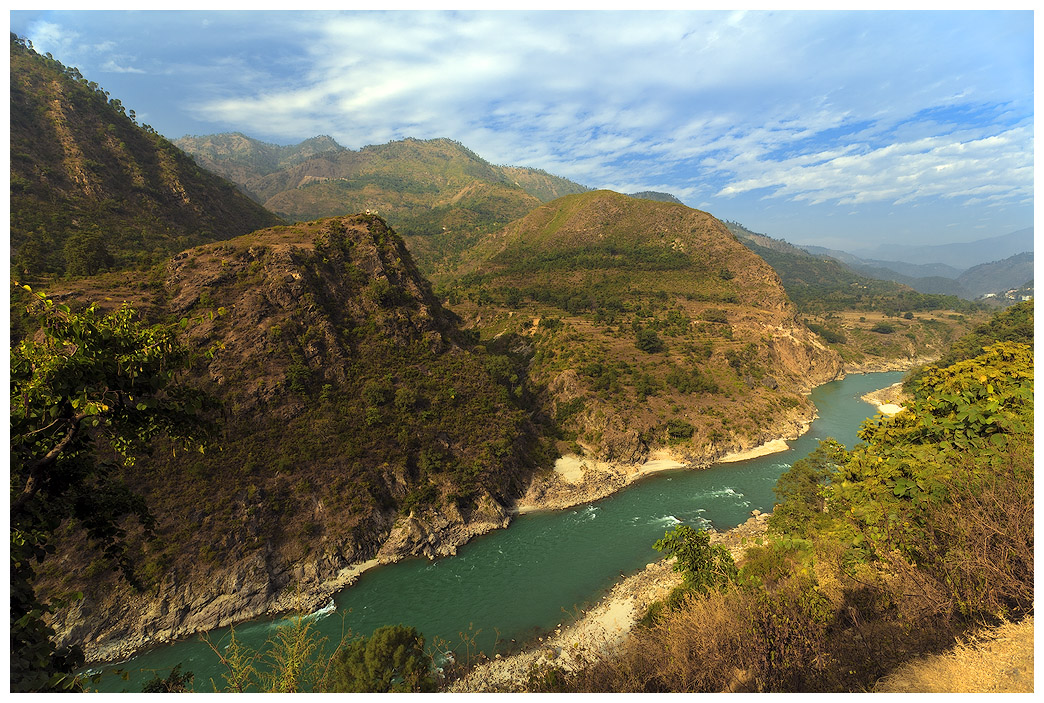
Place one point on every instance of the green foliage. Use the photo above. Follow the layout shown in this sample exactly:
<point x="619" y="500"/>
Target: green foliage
<point x="648" y="341"/>
<point x="703" y="567"/>
<point x="715" y="315"/>
<point x="293" y="660"/>
<point x="828" y="335"/>
<point x="800" y="498"/>
<point x="86" y="254"/>
<point x="883" y="328"/>
<point x="678" y="430"/>
<point x="965" y="419"/>
<point x="392" y="659"/>
<point x="89" y="389"/>
<point x="1013" y="324"/>
<point x="522" y="259"/>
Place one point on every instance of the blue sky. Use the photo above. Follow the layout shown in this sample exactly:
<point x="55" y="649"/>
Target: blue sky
<point x="842" y="129"/>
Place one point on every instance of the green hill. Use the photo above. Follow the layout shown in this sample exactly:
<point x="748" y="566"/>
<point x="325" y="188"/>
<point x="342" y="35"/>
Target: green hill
<point x="652" y="326"/>
<point x="92" y="190"/>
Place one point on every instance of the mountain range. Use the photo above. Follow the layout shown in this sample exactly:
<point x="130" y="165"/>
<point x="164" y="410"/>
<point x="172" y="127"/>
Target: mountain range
<point x="402" y="353"/>
<point x="991" y="276"/>
<point x="438" y="194"/>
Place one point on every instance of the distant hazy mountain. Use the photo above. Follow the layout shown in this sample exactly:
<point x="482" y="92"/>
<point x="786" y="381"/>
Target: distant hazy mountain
<point x="999" y="276"/>
<point x="818" y="283"/>
<point x="960" y="255"/>
<point x="655" y="195"/>
<point x="904" y="268"/>
<point x="941" y="278"/>
<point x="240" y="158"/>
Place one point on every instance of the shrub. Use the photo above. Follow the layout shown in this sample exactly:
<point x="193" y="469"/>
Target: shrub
<point x="648" y="341"/>
<point x="702" y="566"/>
<point x="390" y="660"/>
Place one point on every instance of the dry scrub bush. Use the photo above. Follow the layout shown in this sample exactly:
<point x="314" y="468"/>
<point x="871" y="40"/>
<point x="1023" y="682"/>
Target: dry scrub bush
<point x="981" y="542"/>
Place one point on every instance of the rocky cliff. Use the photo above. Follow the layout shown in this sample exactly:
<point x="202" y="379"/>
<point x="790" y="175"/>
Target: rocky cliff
<point x="359" y="423"/>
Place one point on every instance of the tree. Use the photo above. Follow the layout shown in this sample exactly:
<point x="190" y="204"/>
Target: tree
<point x="86" y="254"/>
<point x="702" y="566"/>
<point x="648" y="341"/>
<point x="390" y="660"/>
<point x="87" y="391"/>
<point x="799" y="491"/>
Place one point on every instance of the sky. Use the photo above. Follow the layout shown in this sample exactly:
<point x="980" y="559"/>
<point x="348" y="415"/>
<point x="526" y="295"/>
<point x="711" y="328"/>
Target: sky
<point x="842" y="129"/>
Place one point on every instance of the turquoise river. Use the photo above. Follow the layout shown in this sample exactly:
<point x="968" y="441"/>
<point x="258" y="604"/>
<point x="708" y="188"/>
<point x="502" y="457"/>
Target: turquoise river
<point x="510" y="585"/>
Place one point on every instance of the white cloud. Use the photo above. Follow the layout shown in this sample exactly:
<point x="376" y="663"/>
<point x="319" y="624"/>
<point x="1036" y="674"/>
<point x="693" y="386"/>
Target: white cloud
<point x="814" y="107"/>
<point x="939" y="166"/>
<point x="112" y="67"/>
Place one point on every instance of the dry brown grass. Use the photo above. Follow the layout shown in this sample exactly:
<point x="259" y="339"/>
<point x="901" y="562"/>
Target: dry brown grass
<point x="997" y="660"/>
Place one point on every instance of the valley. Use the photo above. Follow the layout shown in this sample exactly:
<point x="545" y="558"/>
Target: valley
<point x="390" y="353"/>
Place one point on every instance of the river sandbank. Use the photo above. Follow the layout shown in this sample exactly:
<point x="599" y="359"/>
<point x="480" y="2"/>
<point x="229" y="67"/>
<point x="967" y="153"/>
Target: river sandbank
<point x="888" y="401"/>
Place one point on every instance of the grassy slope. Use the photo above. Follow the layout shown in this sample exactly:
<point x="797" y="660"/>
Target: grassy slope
<point x="655" y="325"/>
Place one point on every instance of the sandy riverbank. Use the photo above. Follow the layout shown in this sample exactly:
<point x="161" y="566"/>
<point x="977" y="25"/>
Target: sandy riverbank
<point x="773" y="447"/>
<point x="888" y="401"/>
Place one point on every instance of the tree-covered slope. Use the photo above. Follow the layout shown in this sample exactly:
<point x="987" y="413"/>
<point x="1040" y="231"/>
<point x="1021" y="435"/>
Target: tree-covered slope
<point x="652" y="326"/>
<point x="874" y="324"/>
<point x="92" y="190"/>
<point x="875" y="556"/>
<point x="358" y="421"/>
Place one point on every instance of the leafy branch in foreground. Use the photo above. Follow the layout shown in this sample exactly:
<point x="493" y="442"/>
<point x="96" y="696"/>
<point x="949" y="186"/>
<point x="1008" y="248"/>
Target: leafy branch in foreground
<point x="87" y="392"/>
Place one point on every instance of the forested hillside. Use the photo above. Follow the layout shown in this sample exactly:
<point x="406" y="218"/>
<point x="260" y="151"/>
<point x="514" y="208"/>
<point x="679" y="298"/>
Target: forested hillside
<point x="92" y="190"/>
<point x="356" y="419"/>
<point x="875" y="556"/>
<point x="652" y="327"/>
<point x="872" y="324"/>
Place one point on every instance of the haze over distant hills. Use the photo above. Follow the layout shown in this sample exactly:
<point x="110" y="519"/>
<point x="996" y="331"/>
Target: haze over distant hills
<point x="965" y="269"/>
<point x="960" y="255"/>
